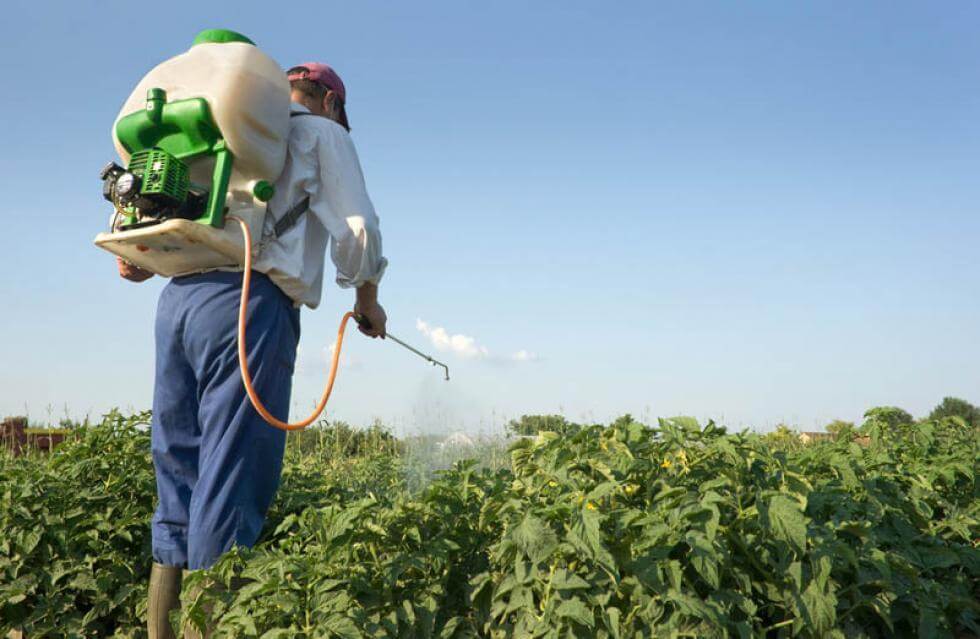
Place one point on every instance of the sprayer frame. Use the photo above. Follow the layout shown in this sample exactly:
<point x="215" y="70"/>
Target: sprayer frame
<point x="186" y="130"/>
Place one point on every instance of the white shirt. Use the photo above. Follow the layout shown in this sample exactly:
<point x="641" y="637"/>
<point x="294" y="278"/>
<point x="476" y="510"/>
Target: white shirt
<point x="321" y="163"/>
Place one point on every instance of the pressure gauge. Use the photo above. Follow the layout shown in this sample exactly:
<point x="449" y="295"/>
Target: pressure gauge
<point x="127" y="187"/>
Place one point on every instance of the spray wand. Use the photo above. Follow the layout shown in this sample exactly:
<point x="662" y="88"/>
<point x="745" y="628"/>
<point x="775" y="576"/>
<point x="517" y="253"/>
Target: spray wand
<point x="364" y="323"/>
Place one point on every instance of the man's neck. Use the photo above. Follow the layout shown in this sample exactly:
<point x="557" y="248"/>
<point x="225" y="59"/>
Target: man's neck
<point x="305" y="101"/>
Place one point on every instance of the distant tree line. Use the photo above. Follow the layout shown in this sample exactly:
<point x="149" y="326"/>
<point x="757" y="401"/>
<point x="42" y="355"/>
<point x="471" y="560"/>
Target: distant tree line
<point x="894" y="416"/>
<point x="529" y="425"/>
<point x="956" y="407"/>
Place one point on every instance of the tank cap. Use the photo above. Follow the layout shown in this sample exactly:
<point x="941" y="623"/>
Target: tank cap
<point x="218" y="36"/>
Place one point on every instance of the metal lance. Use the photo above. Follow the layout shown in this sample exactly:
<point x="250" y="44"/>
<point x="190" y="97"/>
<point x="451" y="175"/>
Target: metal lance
<point x="365" y="324"/>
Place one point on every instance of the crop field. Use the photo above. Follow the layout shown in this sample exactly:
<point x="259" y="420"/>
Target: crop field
<point x="676" y="529"/>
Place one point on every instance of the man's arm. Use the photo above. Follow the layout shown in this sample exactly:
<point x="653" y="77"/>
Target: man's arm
<point x="342" y="205"/>
<point x="367" y="307"/>
<point x="127" y="271"/>
<point x="132" y="272"/>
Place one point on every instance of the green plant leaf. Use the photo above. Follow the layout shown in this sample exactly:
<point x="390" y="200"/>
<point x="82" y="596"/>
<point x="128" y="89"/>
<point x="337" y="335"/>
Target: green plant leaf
<point x="576" y="611"/>
<point x="783" y="517"/>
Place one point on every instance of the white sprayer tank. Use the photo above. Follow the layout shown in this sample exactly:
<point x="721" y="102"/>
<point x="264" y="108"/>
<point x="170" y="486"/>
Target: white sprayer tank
<point x="248" y="94"/>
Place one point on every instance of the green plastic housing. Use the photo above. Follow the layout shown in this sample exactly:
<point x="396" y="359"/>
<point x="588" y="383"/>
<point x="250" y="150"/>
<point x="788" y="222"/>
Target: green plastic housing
<point x="218" y="36"/>
<point x="186" y="130"/>
<point x="161" y="174"/>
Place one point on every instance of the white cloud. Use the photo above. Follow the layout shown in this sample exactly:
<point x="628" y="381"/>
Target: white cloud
<point x="316" y="363"/>
<point x="466" y="346"/>
<point x="462" y="345"/>
<point x="346" y="361"/>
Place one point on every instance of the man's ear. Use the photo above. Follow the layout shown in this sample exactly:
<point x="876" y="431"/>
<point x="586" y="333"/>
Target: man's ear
<point x="329" y="99"/>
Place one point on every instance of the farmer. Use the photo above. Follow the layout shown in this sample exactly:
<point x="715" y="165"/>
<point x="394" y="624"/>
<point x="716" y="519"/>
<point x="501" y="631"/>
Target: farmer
<point x="217" y="461"/>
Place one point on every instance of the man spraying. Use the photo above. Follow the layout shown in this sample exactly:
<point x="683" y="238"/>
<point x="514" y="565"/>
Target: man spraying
<point x="217" y="461"/>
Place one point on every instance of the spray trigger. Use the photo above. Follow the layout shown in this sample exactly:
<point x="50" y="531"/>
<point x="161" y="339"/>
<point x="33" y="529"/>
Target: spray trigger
<point x="363" y="321"/>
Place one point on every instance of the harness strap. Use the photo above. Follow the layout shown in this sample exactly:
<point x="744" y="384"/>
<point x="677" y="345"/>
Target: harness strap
<point x="292" y="216"/>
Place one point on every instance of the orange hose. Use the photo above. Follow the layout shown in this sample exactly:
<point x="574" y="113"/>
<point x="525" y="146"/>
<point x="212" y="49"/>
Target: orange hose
<point x="242" y="355"/>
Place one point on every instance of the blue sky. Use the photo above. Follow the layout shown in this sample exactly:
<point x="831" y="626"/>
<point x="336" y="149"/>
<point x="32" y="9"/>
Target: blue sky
<point x="753" y="212"/>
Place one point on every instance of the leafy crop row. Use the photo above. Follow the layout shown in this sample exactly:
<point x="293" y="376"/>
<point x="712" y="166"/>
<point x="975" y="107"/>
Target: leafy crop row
<point x="75" y="542"/>
<point x="619" y="531"/>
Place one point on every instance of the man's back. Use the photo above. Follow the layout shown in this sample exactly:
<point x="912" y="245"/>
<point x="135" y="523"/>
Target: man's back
<point x="322" y="165"/>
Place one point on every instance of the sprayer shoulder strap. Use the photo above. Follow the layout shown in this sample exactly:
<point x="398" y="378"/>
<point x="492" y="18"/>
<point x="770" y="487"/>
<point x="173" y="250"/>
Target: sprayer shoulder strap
<point x="292" y="216"/>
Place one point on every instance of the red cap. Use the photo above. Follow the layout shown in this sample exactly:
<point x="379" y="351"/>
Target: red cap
<point x="322" y="74"/>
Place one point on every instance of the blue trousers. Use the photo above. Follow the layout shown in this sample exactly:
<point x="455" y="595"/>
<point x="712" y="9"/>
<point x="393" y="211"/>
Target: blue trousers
<point x="217" y="461"/>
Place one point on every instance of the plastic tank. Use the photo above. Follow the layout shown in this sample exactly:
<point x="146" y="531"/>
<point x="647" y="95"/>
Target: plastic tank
<point x="248" y="94"/>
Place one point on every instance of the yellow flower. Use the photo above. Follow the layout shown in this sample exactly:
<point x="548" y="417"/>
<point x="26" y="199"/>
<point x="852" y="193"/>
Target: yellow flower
<point x="590" y="506"/>
<point x="666" y="463"/>
<point x="629" y="489"/>
<point x="552" y="483"/>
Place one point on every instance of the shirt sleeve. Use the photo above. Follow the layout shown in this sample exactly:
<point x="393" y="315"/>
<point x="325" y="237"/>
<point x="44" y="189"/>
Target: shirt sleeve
<point x="340" y="202"/>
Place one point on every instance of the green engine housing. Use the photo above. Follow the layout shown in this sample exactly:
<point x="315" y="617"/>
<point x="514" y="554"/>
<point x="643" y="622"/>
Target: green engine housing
<point x="163" y="177"/>
<point x="164" y="135"/>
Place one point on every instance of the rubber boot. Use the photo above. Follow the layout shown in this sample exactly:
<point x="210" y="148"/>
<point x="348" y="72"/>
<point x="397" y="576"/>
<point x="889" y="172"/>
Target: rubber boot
<point x="164" y="597"/>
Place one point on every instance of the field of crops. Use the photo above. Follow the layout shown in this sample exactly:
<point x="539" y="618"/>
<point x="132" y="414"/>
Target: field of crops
<point x="627" y="530"/>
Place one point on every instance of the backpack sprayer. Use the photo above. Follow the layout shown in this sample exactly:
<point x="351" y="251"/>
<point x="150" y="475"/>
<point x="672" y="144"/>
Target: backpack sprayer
<point x="205" y="148"/>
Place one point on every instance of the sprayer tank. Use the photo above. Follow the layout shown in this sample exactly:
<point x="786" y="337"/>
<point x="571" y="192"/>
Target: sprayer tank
<point x="248" y="95"/>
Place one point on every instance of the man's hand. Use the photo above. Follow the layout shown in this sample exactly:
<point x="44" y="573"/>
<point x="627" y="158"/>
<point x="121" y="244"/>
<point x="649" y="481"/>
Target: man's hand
<point x="367" y="307"/>
<point x="132" y="272"/>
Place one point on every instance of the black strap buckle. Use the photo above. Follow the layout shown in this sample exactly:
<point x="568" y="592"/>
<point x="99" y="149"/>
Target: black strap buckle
<point x="291" y="217"/>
